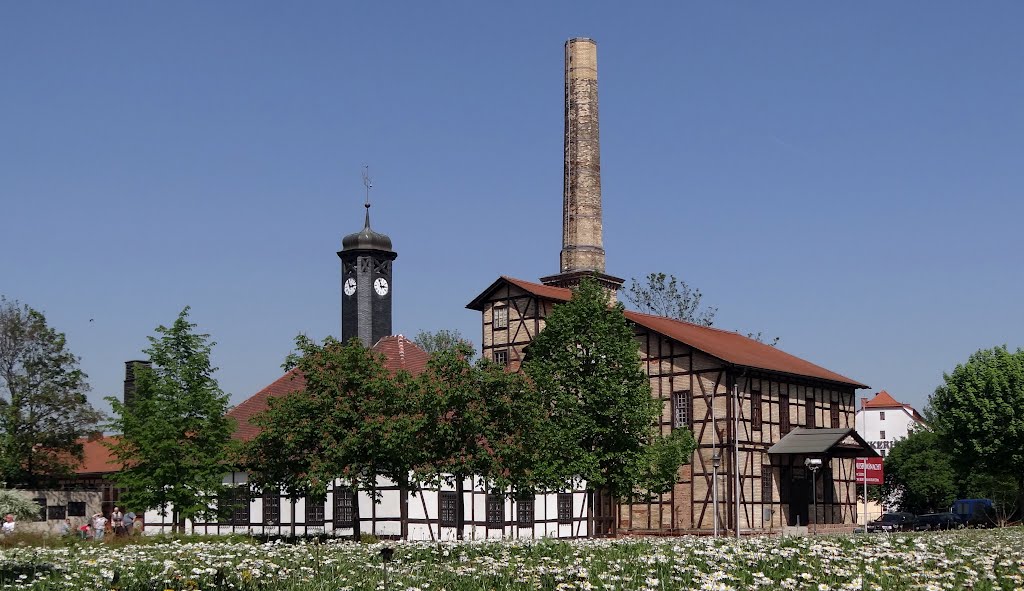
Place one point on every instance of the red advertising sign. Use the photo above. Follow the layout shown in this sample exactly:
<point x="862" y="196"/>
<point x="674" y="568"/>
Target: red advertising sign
<point x="870" y="470"/>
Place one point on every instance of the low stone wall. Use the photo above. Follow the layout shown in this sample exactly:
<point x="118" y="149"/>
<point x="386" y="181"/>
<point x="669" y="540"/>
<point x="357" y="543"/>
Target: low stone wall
<point x="832" y="528"/>
<point x="58" y="505"/>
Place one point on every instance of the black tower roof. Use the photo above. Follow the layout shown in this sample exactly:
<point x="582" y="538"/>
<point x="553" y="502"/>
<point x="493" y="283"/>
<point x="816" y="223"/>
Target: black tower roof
<point x="366" y="239"/>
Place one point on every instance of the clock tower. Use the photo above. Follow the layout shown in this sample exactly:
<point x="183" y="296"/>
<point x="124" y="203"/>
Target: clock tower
<point x="366" y="286"/>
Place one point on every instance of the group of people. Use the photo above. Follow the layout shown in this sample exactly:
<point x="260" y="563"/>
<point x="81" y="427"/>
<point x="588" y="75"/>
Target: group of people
<point x="119" y="524"/>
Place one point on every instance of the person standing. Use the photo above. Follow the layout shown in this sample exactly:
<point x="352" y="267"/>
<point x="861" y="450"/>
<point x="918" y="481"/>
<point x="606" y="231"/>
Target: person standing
<point x="99" y="524"/>
<point x="8" y="526"/>
<point x="117" y="522"/>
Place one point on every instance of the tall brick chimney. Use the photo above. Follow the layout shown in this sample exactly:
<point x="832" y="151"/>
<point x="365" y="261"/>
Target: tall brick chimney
<point x="582" y="245"/>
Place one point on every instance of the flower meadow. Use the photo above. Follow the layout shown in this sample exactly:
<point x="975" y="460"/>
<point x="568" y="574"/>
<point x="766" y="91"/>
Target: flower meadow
<point x="932" y="562"/>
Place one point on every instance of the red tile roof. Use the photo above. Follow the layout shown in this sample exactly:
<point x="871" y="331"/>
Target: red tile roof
<point x="97" y="458"/>
<point x="883" y="400"/>
<point x="245" y="430"/>
<point x="730" y="347"/>
<point x="399" y="352"/>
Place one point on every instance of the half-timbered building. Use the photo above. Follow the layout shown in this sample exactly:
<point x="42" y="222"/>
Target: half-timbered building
<point x="729" y="390"/>
<point x="749" y="405"/>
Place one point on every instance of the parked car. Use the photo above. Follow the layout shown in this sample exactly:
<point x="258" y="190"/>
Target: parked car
<point x="975" y="512"/>
<point x="932" y="521"/>
<point x="890" y="522"/>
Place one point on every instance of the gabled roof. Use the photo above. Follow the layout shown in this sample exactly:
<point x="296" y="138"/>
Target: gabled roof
<point x="402" y="354"/>
<point x="399" y="353"/>
<point x="844" y="443"/>
<point x="730" y="347"/>
<point x="884" y="400"/>
<point x="558" y="294"/>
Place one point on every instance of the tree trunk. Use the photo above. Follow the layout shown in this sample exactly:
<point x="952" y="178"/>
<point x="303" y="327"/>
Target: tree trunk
<point x="460" y="517"/>
<point x="356" y="531"/>
<point x="403" y="507"/>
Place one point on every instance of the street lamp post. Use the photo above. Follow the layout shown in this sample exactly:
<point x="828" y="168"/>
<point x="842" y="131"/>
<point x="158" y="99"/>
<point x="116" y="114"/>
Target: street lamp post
<point x="716" y="461"/>
<point x="814" y="464"/>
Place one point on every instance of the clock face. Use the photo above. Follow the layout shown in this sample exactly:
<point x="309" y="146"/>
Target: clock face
<point x="350" y="286"/>
<point x="381" y="286"/>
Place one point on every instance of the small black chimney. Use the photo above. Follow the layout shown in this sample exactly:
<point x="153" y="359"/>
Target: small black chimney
<point x="129" y="379"/>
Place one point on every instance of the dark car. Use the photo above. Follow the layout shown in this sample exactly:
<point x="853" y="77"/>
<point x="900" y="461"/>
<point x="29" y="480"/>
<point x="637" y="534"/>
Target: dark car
<point x="889" y="522"/>
<point x="938" y="521"/>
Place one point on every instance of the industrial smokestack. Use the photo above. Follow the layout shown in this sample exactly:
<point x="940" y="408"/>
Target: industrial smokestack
<point x="582" y="248"/>
<point x="582" y="245"/>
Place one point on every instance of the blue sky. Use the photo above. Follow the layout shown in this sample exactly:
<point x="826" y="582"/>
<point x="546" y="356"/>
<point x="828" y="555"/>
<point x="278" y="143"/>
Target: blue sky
<point x="847" y="177"/>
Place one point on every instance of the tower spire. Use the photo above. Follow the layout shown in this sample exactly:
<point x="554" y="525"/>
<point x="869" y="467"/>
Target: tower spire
<point x="368" y="184"/>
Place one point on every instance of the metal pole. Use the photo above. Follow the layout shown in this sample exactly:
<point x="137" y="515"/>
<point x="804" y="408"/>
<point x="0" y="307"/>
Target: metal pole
<point x="714" y="464"/>
<point x="864" y="414"/>
<point x="714" y="492"/>
<point x="814" y="496"/>
<point x="736" y="450"/>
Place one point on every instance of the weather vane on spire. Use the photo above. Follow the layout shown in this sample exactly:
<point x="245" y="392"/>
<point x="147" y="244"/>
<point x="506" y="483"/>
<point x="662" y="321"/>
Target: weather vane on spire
<point x="368" y="183"/>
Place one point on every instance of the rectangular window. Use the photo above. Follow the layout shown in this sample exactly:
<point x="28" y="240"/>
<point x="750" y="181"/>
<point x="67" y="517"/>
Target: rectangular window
<point x="41" y="516"/>
<point x="272" y="507"/>
<point x="564" y="507"/>
<point x="881" y="415"/>
<point x="524" y="514"/>
<point x="495" y="511"/>
<point x="501" y="356"/>
<point x="56" y="512"/>
<point x="834" y="411"/>
<point x="448" y="510"/>
<point x="682" y="409"/>
<point x="344" y="507"/>
<point x="76" y="509"/>
<point x="240" y="516"/>
<point x="784" y="413"/>
<point x="881" y="434"/>
<point x="314" y="511"/>
<point x="499" y="316"/>
<point x="766" y="484"/>
<point x="755" y="409"/>
<point x="809" y="413"/>
<point x="233" y="506"/>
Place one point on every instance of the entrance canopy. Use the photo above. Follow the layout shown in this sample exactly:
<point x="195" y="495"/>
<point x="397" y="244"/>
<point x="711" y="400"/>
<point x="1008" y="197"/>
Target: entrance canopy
<point x="835" y="443"/>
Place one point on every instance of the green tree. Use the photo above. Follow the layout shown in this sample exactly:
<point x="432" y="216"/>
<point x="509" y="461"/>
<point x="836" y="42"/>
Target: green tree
<point x="353" y="420"/>
<point x="443" y="340"/>
<point x="481" y="420"/>
<point x="586" y="367"/>
<point x="919" y="471"/>
<point x="979" y="414"/>
<point x="175" y="438"/>
<point x="43" y="406"/>
<point x="18" y="504"/>
<point x="664" y="295"/>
